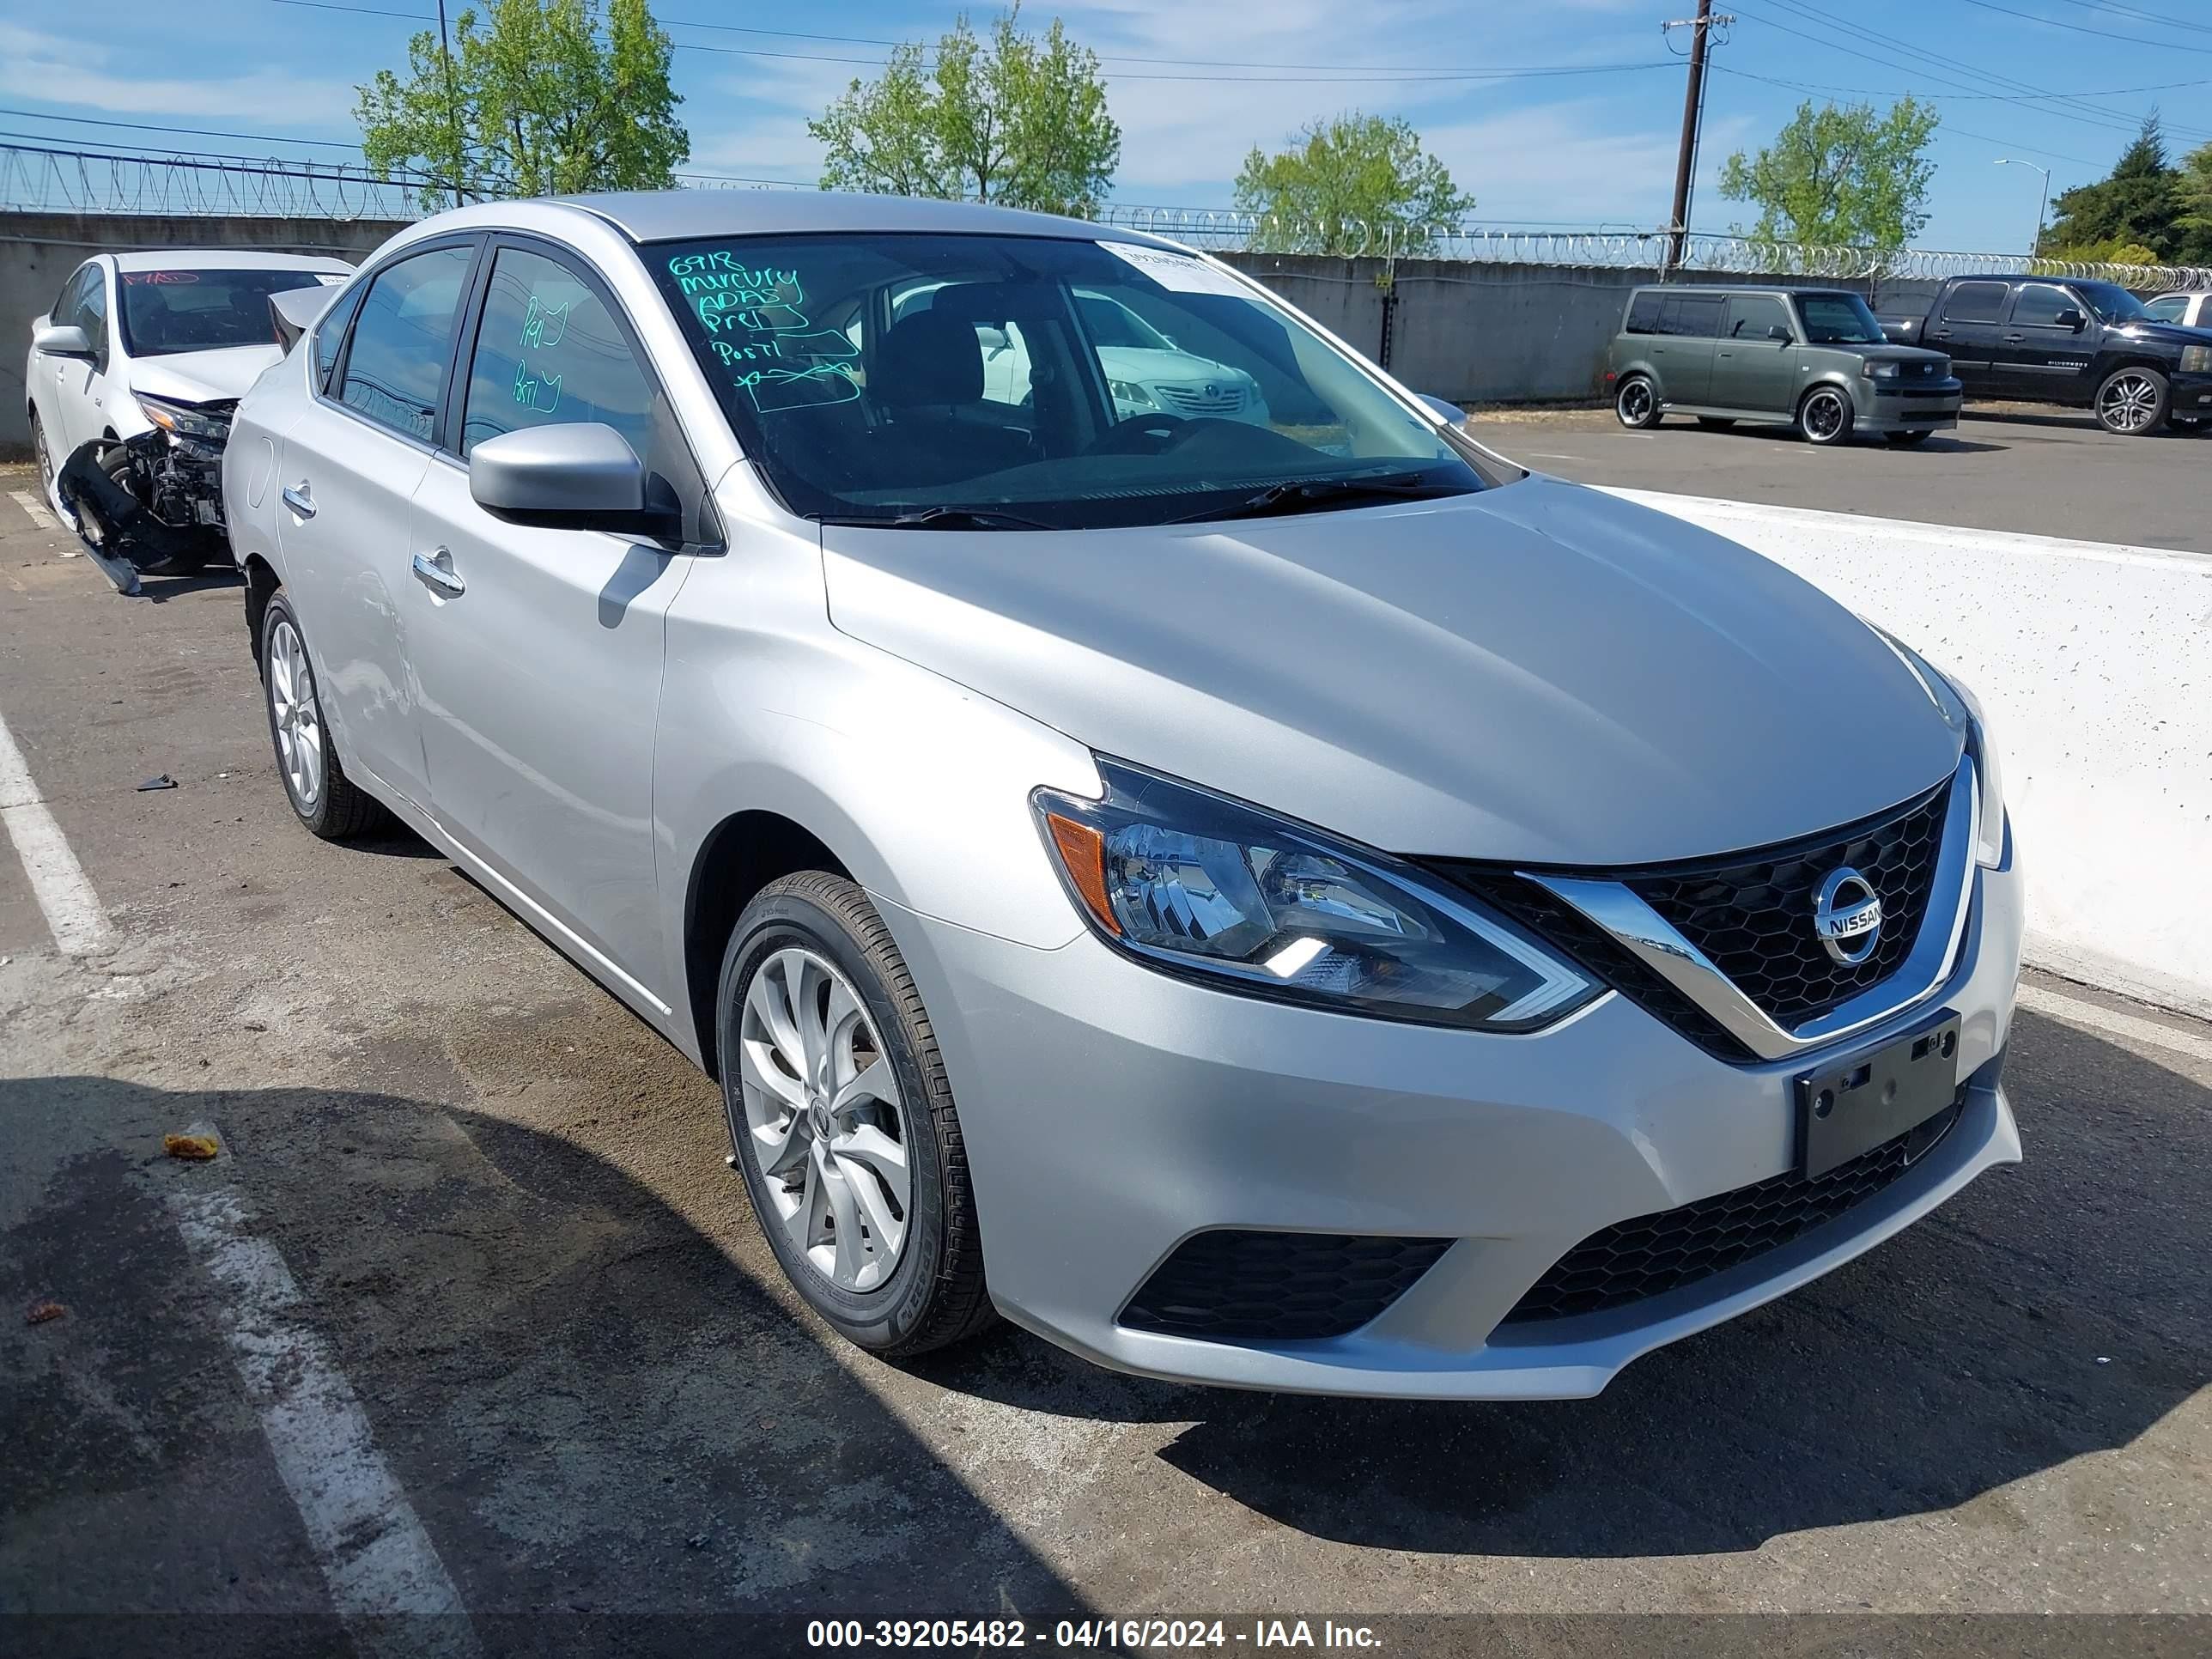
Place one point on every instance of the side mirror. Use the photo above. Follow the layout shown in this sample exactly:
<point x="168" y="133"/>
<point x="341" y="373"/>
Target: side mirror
<point x="1449" y="413"/>
<point x="584" y="477"/>
<point x="2072" y="318"/>
<point x="62" y="340"/>
<point x="1777" y="332"/>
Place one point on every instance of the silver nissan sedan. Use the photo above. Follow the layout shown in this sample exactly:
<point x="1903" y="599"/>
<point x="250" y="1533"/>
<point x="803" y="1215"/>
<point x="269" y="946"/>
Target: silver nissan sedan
<point x="1295" y="901"/>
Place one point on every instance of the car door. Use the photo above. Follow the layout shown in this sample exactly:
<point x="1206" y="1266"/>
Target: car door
<point x="349" y="471"/>
<point x="1753" y="370"/>
<point x="538" y="649"/>
<point x="48" y="375"/>
<point x="2045" y="348"/>
<point x="81" y="383"/>
<point x="1966" y="325"/>
<point x="1690" y="324"/>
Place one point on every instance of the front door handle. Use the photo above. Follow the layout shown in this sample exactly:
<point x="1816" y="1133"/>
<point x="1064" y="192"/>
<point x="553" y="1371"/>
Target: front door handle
<point x="2014" y="339"/>
<point x="1941" y="334"/>
<point x="299" y="501"/>
<point x="436" y="570"/>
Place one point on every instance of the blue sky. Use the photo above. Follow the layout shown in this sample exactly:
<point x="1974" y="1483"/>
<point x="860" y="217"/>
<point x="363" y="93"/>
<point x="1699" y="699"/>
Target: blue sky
<point x="1588" y="142"/>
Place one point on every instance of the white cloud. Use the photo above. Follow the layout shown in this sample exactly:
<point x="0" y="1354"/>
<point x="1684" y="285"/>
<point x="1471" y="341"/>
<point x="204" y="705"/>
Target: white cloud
<point x="53" y="70"/>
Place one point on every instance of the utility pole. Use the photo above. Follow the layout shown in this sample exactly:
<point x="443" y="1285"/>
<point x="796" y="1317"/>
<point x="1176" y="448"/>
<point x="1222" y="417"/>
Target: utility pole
<point x="1693" y="109"/>
<point x="453" y="104"/>
<point x="2042" y="208"/>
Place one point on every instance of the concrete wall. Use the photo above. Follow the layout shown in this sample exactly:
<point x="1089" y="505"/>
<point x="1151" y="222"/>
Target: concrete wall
<point x="1487" y="333"/>
<point x="2093" y="662"/>
<point x="38" y="250"/>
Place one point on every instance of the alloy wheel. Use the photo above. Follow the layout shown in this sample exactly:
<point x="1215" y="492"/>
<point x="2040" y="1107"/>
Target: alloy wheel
<point x="1635" y="404"/>
<point x="823" y="1114"/>
<point x="1824" y="417"/>
<point x="296" y="713"/>
<point x="2130" y="403"/>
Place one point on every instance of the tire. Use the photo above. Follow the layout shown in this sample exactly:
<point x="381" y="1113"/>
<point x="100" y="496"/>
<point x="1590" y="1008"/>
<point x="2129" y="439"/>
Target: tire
<point x="116" y="462"/>
<point x="930" y="1291"/>
<point x="2132" y="401"/>
<point x="332" y="807"/>
<point x="1904" y="439"/>
<point x="1715" y="422"/>
<point x="1635" y="404"/>
<point x="47" y="465"/>
<point x="1825" y="416"/>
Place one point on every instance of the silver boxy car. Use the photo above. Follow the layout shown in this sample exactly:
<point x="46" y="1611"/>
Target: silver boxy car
<point x="1306" y="905"/>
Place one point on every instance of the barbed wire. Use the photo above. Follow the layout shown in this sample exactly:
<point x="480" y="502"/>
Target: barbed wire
<point x="40" y="178"/>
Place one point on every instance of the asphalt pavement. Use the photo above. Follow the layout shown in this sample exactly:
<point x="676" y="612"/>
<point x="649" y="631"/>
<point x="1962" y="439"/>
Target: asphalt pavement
<point x="469" y="1313"/>
<point x="2039" y="472"/>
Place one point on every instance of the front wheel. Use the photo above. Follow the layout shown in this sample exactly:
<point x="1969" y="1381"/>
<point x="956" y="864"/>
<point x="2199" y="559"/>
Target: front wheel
<point x="1636" y="405"/>
<point x="1825" y="416"/>
<point x="843" y="1122"/>
<point x="2132" y="401"/>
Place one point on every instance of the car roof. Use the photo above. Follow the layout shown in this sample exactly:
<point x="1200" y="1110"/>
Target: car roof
<point x="225" y="258"/>
<point x="659" y="216"/>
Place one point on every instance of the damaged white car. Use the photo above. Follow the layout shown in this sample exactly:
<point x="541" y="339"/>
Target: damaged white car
<point x="132" y="381"/>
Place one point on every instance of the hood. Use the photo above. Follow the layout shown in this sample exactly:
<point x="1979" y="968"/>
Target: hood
<point x="1537" y="672"/>
<point x="1152" y="365"/>
<point x="2166" y="334"/>
<point x="203" y="377"/>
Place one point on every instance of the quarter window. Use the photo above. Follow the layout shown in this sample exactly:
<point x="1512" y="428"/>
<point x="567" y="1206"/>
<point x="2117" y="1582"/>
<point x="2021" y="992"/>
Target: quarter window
<point x="550" y="353"/>
<point x="395" y="368"/>
<point x="1974" y="303"/>
<point x="2040" y="304"/>
<point x="1643" y="314"/>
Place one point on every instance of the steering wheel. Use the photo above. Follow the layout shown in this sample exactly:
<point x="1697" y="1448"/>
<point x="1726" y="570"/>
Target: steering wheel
<point x="1142" y="435"/>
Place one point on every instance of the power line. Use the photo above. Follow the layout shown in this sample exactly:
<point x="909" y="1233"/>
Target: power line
<point x="2136" y="15"/>
<point x="198" y="132"/>
<point x="1947" y="128"/>
<point x="2083" y="28"/>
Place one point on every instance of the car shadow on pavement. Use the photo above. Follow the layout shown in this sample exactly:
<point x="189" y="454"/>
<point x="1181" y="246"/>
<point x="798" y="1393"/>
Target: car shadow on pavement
<point x="161" y="589"/>
<point x="2052" y="1311"/>
<point x="590" y="1405"/>
<point x="1944" y="443"/>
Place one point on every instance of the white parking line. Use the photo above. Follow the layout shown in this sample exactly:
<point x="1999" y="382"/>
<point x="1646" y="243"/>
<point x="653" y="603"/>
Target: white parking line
<point x="2095" y="1016"/>
<point x="386" y="1580"/>
<point x="72" y="909"/>
<point x="40" y="516"/>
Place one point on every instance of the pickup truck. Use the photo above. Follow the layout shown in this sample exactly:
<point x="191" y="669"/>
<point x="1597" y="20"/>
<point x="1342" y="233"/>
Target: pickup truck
<point x="2084" y="344"/>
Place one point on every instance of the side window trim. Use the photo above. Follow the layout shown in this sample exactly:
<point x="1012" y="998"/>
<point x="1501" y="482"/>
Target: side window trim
<point x="474" y="240"/>
<point x="578" y="266"/>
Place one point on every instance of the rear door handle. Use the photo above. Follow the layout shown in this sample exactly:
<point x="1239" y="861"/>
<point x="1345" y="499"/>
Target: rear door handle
<point x="299" y="501"/>
<point x="440" y="576"/>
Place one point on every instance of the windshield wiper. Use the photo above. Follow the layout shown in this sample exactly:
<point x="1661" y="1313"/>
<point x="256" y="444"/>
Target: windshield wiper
<point x="949" y="517"/>
<point x="1308" y="494"/>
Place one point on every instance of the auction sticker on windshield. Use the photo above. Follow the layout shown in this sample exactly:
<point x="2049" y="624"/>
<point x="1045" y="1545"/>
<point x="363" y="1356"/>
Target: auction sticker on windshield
<point x="1177" y="272"/>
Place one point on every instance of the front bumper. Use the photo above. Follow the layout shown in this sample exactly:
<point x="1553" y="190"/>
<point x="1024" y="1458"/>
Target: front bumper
<point x="2189" y="396"/>
<point x="1109" y="1112"/>
<point x="1891" y="406"/>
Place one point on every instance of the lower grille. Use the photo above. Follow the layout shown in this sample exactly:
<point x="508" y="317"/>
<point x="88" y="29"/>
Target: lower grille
<point x="1654" y="1253"/>
<point x="1235" y="1284"/>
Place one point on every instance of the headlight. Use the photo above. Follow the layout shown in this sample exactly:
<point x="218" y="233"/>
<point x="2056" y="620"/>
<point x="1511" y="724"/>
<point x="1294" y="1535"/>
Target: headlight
<point x="2196" y="360"/>
<point x="1193" y="883"/>
<point x="183" y="421"/>
<point x="1963" y="707"/>
<point x="1887" y="368"/>
<point x="1128" y="392"/>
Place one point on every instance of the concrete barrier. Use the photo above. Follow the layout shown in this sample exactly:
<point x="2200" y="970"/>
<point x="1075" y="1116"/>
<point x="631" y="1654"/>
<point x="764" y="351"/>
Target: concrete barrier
<point x="2094" y="662"/>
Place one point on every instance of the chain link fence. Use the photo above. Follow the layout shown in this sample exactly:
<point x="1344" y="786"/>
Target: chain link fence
<point x="38" y="178"/>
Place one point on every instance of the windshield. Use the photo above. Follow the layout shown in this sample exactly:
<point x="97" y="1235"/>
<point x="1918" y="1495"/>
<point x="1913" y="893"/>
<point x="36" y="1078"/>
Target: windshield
<point x="170" y="310"/>
<point x="2112" y="302"/>
<point x="1837" y="320"/>
<point x="1032" y="382"/>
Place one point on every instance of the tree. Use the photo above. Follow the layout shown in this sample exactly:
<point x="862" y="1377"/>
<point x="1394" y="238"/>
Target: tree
<point x="539" y="97"/>
<point x="1358" y="183"/>
<point x="1840" y="177"/>
<point x="1019" y="120"/>
<point x="2195" y="224"/>
<point x="2140" y="203"/>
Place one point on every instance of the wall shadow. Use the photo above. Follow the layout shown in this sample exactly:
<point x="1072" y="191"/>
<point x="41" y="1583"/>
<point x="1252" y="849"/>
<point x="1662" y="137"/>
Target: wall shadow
<point x="616" y="1437"/>
<point x="2050" y="1310"/>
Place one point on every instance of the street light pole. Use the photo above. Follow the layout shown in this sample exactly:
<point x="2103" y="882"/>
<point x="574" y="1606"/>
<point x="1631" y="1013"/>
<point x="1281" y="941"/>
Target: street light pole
<point x="2042" y="207"/>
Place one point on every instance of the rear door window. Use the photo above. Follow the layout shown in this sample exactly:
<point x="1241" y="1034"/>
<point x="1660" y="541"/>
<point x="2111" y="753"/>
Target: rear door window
<point x="1696" y="315"/>
<point x="1975" y="303"/>
<point x="2170" y="309"/>
<point x="403" y="340"/>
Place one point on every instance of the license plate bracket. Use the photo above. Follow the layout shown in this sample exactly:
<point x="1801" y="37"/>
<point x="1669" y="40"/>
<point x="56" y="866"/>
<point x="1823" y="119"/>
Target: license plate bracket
<point x="1871" y="1096"/>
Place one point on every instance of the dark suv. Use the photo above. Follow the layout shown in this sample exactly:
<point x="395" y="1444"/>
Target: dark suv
<point x="2051" y="340"/>
<point x="1812" y="358"/>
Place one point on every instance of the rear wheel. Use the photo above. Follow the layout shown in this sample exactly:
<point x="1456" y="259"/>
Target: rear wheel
<point x="843" y="1122"/>
<point x="1902" y="438"/>
<point x="1825" y="416"/>
<point x="1635" y="404"/>
<point x="322" y="795"/>
<point x="2132" y="401"/>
